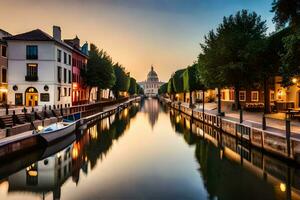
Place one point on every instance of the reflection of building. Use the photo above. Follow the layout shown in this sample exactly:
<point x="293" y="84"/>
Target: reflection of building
<point x="39" y="71"/>
<point x="3" y="66"/>
<point x="151" y="108"/>
<point x="152" y="84"/>
<point x="44" y="176"/>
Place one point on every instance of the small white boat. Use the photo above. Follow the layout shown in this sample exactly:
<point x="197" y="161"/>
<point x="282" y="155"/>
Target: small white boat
<point x="58" y="130"/>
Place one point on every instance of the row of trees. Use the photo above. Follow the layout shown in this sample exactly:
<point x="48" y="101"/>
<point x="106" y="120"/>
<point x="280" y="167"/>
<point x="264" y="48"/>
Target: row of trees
<point x="239" y="54"/>
<point x="104" y="74"/>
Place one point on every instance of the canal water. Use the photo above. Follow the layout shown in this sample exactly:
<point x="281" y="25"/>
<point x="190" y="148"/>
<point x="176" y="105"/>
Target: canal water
<point x="148" y="152"/>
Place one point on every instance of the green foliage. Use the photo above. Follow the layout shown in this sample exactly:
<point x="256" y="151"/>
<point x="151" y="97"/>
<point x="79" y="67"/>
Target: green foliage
<point x="290" y="58"/>
<point x="225" y="61"/>
<point x="140" y="90"/>
<point x="122" y="80"/>
<point x="194" y="74"/>
<point x="286" y="12"/>
<point x="163" y="89"/>
<point x="100" y="72"/>
<point x="170" y="88"/>
<point x="133" y="87"/>
<point x="180" y="81"/>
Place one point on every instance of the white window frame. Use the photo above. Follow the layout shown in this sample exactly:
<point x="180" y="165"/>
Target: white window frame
<point x="252" y="95"/>
<point x="242" y="92"/>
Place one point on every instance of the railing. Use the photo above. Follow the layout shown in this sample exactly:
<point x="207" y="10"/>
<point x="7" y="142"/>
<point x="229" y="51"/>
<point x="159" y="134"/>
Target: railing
<point x="31" y="78"/>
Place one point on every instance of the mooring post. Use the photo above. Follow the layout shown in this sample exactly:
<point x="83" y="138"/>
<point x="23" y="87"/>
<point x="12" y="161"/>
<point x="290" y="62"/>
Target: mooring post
<point x="264" y="125"/>
<point x="241" y="115"/>
<point x="288" y="134"/>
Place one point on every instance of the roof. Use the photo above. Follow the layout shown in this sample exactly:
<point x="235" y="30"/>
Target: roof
<point x="34" y="35"/>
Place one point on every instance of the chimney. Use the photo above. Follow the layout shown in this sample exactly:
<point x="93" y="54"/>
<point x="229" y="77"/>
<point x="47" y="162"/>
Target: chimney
<point x="57" y="33"/>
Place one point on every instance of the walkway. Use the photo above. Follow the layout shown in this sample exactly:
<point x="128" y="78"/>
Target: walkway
<point x="276" y="120"/>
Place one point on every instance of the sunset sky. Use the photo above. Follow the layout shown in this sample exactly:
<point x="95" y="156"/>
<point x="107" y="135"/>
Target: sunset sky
<point x="136" y="33"/>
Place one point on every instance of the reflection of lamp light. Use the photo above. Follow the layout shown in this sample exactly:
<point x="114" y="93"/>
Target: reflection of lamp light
<point x="282" y="187"/>
<point x="75" y="85"/>
<point x="294" y="80"/>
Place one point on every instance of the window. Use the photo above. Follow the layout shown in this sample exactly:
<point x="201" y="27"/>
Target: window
<point x="231" y="95"/>
<point x="254" y="96"/>
<point x="65" y="91"/>
<point x="32" y="70"/>
<point x="58" y="92"/>
<point x="59" y="74"/>
<point x="4" y="79"/>
<point x="3" y="51"/>
<point x="242" y="95"/>
<point x="272" y="96"/>
<point x="58" y="55"/>
<point x="31" y="52"/>
<point x="65" y="57"/>
<point x="223" y="95"/>
<point x="65" y="75"/>
<point x="70" y="76"/>
<point x="18" y="99"/>
<point x="69" y="60"/>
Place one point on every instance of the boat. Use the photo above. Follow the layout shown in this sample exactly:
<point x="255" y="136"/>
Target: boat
<point x="57" y="130"/>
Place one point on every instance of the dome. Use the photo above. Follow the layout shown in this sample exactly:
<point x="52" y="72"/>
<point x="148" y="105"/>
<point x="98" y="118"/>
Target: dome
<point x="152" y="76"/>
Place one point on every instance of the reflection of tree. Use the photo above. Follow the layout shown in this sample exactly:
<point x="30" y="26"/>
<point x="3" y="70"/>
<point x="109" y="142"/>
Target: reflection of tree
<point x="225" y="179"/>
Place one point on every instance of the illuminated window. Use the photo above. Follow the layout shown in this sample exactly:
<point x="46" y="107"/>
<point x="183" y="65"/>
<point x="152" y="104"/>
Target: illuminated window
<point x="254" y="96"/>
<point x="242" y="95"/>
<point x="272" y="96"/>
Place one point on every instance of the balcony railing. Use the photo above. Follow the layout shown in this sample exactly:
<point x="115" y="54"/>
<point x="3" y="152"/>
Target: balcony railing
<point x="31" y="78"/>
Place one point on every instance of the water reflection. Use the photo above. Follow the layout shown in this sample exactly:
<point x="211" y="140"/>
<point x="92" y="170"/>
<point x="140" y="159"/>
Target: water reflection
<point x="120" y="158"/>
<point x="232" y="170"/>
<point x="152" y="109"/>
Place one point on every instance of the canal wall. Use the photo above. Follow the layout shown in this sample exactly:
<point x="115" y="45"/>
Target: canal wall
<point x="22" y="142"/>
<point x="271" y="139"/>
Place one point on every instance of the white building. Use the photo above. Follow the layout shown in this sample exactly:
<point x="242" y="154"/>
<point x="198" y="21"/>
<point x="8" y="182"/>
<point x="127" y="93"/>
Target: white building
<point x="152" y="84"/>
<point x="39" y="70"/>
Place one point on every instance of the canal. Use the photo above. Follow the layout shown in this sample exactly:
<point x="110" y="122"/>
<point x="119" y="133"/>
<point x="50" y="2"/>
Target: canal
<point x="149" y="152"/>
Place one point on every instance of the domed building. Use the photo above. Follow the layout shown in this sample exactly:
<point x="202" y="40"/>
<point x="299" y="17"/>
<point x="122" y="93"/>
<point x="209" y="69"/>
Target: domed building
<point x="152" y="84"/>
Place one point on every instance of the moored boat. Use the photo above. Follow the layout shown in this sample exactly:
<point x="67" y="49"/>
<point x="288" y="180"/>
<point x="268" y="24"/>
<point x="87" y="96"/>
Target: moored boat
<point x="56" y="131"/>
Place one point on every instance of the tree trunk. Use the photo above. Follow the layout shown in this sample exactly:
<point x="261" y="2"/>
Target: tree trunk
<point x="184" y="97"/>
<point x="267" y="108"/>
<point x="237" y="104"/>
<point x="219" y="100"/>
<point x="191" y="99"/>
<point x="109" y="93"/>
<point x="98" y="94"/>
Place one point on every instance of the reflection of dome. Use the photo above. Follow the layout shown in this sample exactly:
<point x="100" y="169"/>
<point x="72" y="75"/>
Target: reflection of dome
<point x="152" y="76"/>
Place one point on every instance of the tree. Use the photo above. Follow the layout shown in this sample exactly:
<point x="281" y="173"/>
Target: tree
<point x="229" y="49"/>
<point x="163" y="89"/>
<point x="195" y="82"/>
<point x="286" y="12"/>
<point x="133" y="87"/>
<point x="122" y="80"/>
<point x="99" y="72"/>
<point x="170" y="88"/>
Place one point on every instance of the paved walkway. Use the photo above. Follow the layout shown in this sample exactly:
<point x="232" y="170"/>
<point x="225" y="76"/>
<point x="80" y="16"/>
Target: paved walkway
<point x="276" y="120"/>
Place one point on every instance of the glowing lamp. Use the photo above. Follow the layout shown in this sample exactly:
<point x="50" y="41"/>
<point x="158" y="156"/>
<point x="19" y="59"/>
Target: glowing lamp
<point x="39" y="128"/>
<point x="282" y="187"/>
<point x="294" y="80"/>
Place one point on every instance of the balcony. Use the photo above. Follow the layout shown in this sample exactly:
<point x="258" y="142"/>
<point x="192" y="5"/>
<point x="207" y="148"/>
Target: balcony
<point x="31" y="78"/>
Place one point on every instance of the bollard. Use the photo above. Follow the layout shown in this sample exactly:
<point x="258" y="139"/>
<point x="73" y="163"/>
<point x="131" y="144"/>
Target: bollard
<point x="288" y="135"/>
<point x="241" y="115"/>
<point x="6" y="109"/>
<point x="264" y="125"/>
<point x="14" y="117"/>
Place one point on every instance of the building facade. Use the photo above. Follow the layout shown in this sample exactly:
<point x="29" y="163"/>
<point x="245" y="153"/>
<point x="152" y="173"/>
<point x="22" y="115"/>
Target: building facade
<point x="79" y="64"/>
<point x="40" y="69"/>
<point x="152" y="84"/>
<point x="3" y="67"/>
